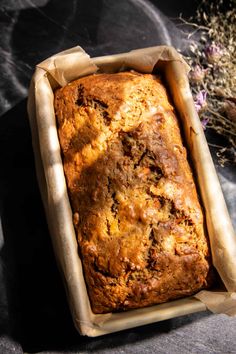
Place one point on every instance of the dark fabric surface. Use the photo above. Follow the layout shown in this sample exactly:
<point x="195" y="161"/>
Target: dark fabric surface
<point x="34" y="314"/>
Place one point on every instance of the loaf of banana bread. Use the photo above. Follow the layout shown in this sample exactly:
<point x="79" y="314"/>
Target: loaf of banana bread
<point x="136" y="212"/>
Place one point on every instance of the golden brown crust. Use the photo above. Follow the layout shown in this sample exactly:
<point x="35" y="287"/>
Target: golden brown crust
<point x="136" y="211"/>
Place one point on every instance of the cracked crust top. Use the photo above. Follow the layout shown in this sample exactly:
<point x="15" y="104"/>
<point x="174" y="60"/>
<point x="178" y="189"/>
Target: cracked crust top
<point x="136" y="211"/>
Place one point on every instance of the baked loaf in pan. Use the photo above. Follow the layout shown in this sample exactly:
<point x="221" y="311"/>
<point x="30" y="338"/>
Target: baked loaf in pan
<point x="135" y="207"/>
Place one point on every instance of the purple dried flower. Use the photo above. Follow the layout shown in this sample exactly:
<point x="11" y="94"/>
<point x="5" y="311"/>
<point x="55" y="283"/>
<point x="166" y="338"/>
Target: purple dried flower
<point x="200" y="102"/>
<point x="213" y="53"/>
<point x="197" y="74"/>
<point x="204" y="122"/>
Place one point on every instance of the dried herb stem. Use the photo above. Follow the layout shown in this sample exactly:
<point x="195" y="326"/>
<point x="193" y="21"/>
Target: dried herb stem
<point x="221" y="118"/>
<point x="192" y="24"/>
<point x="216" y="146"/>
<point x="221" y="129"/>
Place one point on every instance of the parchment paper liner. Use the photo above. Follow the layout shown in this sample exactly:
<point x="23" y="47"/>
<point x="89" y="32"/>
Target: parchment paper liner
<point x="69" y="65"/>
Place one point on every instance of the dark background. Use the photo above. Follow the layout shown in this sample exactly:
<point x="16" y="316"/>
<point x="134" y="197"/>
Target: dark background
<point x="34" y="315"/>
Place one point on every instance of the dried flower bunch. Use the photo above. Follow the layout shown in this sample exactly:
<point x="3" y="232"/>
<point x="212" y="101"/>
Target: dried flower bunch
<point x="212" y="57"/>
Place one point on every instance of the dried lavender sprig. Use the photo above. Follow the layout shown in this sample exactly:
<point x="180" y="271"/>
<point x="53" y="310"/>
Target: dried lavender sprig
<point x="214" y="51"/>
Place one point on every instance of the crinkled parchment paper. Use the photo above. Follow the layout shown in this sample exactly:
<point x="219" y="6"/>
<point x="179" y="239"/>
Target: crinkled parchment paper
<point x="58" y="71"/>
